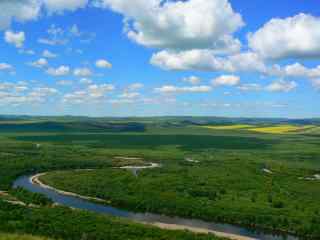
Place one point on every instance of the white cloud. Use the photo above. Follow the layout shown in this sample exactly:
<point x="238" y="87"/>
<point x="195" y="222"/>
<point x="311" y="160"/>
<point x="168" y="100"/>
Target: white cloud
<point x="82" y="72"/>
<point x="60" y="6"/>
<point x="26" y="10"/>
<point x="21" y="88"/>
<point x="135" y="86"/>
<point x="250" y="87"/>
<point x="20" y="93"/>
<point x="52" y="42"/>
<point x="74" y="30"/>
<point x="316" y="83"/>
<point x="47" y="54"/>
<point x="98" y="91"/>
<point x="85" y="81"/>
<point x="17" y="10"/>
<point x="27" y="51"/>
<point x="296" y="70"/>
<point x="170" y="89"/>
<point x="15" y="38"/>
<point x="293" y="37"/>
<point x="84" y="37"/>
<point x="189" y="24"/>
<point x="103" y="64"/>
<point x="60" y="71"/>
<point x="202" y="60"/>
<point x="5" y="67"/>
<point x="42" y="62"/>
<point x="205" y="60"/>
<point x="122" y="101"/>
<point x="65" y="83"/>
<point x="247" y="62"/>
<point x="129" y="95"/>
<point x="77" y="97"/>
<point x="192" y="80"/>
<point x="281" y="86"/>
<point x="93" y="92"/>
<point x="56" y="36"/>
<point x="43" y="92"/>
<point x="226" y="80"/>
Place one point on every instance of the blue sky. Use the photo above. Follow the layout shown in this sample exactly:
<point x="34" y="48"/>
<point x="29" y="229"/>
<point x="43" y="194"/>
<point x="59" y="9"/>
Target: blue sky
<point x="151" y="57"/>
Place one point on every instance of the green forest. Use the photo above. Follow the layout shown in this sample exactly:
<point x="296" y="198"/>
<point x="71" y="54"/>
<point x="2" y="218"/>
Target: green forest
<point x="259" y="180"/>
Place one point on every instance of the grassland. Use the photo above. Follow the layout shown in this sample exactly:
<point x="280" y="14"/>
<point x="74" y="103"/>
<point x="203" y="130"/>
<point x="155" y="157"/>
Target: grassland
<point x="226" y="183"/>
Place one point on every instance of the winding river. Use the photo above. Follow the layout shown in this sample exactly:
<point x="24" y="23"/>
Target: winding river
<point x="223" y="230"/>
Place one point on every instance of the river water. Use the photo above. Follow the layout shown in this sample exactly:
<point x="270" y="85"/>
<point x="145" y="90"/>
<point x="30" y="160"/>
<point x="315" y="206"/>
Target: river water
<point x="79" y="203"/>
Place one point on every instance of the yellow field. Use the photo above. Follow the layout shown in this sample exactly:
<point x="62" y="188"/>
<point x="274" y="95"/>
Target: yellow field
<point x="280" y="129"/>
<point x="276" y="129"/>
<point x="230" y="127"/>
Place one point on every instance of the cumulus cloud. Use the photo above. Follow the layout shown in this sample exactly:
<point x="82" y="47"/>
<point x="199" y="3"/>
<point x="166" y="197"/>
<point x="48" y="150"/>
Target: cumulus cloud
<point x="103" y="64"/>
<point x="250" y="87"/>
<point x="295" y="70"/>
<point x="202" y="60"/>
<point x="65" y="83"/>
<point x="170" y="89"/>
<point x="27" y="51"/>
<point x="85" y="81"/>
<point x="192" y="80"/>
<point x="129" y="95"/>
<point x="205" y="60"/>
<point x="5" y="67"/>
<point x="59" y="6"/>
<point x="282" y="86"/>
<point x="199" y="24"/>
<point x="47" y="54"/>
<point x="82" y="72"/>
<point x="226" y="80"/>
<point x="43" y="91"/>
<point x="20" y="93"/>
<point x="26" y="10"/>
<point x="56" y="36"/>
<point x="60" y="71"/>
<point x="15" y="38"/>
<point x="135" y="86"/>
<point x="42" y="62"/>
<point x="316" y="83"/>
<point x="293" y="37"/>
<point x="98" y="91"/>
<point x="17" y="10"/>
<point x="93" y="92"/>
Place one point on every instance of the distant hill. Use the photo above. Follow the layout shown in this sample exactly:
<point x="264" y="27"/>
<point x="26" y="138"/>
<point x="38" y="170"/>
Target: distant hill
<point x="128" y="124"/>
<point x="74" y="126"/>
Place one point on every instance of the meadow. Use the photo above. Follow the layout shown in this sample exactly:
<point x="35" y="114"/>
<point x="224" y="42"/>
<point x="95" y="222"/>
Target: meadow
<point x="239" y="176"/>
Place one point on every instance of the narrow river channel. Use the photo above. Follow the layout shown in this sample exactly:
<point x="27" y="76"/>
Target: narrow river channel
<point x="232" y="231"/>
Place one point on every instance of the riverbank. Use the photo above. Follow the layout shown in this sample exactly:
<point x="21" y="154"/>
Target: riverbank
<point x="36" y="180"/>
